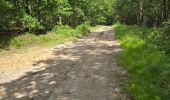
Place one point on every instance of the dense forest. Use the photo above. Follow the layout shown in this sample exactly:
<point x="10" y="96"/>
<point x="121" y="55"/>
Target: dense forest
<point x="36" y="15"/>
<point x="43" y="15"/>
<point x="142" y="12"/>
<point x="142" y="27"/>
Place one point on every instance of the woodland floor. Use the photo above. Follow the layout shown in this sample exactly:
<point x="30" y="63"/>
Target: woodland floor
<point x="84" y="69"/>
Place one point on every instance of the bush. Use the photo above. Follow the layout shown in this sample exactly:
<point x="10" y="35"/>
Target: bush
<point x="84" y="28"/>
<point x="67" y="31"/>
<point x="159" y="37"/>
<point x="32" y="23"/>
<point x="63" y="29"/>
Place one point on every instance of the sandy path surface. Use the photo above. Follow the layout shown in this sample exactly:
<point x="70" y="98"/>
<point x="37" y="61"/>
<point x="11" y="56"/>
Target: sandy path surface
<point x="85" y="69"/>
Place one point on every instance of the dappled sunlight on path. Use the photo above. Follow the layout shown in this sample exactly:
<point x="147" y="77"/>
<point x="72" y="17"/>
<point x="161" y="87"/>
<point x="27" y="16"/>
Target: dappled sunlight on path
<point x="85" y="69"/>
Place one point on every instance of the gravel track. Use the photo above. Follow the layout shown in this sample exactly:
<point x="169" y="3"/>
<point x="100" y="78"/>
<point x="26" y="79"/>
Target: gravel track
<point x="85" y="69"/>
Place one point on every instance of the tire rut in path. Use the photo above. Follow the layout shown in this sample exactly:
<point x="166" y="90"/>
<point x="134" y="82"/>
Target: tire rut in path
<point x="83" y="70"/>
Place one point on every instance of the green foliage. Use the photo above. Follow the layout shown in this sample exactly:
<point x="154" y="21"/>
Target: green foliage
<point x="68" y="31"/>
<point x="84" y="28"/>
<point x="62" y="29"/>
<point x="159" y="37"/>
<point x="45" y="14"/>
<point x="148" y="67"/>
<point x="32" y="23"/>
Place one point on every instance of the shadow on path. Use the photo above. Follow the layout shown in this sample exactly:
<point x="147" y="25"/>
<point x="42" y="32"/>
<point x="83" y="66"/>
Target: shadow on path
<point x="84" y="70"/>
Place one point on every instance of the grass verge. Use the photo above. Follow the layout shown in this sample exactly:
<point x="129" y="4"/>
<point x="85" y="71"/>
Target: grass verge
<point x="58" y="35"/>
<point x="148" y="67"/>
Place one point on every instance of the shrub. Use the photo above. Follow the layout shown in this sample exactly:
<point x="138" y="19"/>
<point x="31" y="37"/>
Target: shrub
<point x="67" y="31"/>
<point x="32" y="23"/>
<point x="84" y="28"/>
<point x="63" y="29"/>
<point x="159" y="37"/>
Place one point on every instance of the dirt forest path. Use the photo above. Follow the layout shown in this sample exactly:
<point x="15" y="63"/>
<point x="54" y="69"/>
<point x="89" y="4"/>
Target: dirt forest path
<point x="85" y="69"/>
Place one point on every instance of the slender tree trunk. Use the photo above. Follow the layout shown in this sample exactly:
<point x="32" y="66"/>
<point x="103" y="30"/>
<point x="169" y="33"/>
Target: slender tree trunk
<point x="60" y="20"/>
<point x="28" y="7"/>
<point x="140" y="12"/>
<point x="164" y="10"/>
<point x="38" y="9"/>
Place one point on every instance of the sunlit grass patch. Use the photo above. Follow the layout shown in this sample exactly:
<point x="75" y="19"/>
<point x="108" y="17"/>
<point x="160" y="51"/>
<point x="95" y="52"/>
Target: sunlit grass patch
<point x="130" y="41"/>
<point x="148" y="67"/>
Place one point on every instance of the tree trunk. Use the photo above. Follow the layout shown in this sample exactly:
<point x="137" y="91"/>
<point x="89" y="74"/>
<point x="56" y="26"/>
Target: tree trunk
<point x="164" y="10"/>
<point x="60" y="20"/>
<point x="28" y="8"/>
<point x="140" y="12"/>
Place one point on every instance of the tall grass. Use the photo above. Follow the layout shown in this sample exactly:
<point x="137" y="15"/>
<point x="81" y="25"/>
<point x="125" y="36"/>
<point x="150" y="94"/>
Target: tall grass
<point x="148" y="67"/>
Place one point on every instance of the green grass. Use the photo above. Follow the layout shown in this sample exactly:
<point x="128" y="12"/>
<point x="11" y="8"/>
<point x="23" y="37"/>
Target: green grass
<point x="58" y="35"/>
<point x="148" y="67"/>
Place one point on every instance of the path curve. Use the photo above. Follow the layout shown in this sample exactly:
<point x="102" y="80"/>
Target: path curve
<point x="82" y="70"/>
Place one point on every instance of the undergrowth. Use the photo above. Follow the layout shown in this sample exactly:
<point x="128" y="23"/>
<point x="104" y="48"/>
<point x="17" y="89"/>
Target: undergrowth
<point x="147" y="64"/>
